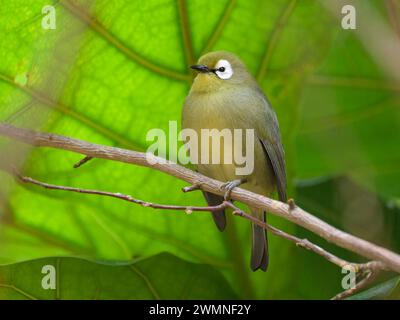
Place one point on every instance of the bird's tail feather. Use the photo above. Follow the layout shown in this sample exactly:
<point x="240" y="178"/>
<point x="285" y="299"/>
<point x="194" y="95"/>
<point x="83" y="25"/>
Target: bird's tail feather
<point x="259" y="249"/>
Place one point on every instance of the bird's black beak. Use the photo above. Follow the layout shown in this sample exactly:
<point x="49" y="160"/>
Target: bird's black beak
<point x="200" y="68"/>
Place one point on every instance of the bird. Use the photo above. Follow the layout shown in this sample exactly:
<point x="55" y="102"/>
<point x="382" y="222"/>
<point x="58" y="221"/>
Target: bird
<point x="225" y="95"/>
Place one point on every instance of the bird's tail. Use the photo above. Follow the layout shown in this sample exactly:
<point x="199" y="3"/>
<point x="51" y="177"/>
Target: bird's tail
<point x="259" y="249"/>
<point x="219" y="216"/>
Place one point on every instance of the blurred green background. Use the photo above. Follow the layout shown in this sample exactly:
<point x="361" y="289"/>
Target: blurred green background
<point x="112" y="70"/>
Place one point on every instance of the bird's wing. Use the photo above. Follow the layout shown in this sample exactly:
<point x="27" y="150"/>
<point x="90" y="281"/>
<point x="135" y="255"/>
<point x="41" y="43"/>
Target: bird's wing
<point x="272" y="143"/>
<point x="275" y="155"/>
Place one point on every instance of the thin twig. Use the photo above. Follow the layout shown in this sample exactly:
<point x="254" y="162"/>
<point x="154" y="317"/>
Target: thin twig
<point x="369" y="272"/>
<point x="82" y="162"/>
<point x="291" y="204"/>
<point x="191" y="188"/>
<point x="187" y="209"/>
<point x="304" y="243"/>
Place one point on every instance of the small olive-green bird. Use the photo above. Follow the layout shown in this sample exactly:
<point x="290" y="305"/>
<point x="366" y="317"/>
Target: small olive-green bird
<point x="224" y="95"/>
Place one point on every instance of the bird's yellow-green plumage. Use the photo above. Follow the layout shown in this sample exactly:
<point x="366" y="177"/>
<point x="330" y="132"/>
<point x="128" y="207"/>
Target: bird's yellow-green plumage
<point x="230" y="98"/>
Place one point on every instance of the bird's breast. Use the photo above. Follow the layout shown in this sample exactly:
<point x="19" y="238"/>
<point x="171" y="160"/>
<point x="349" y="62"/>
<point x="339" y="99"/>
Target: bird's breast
<point x="219" y="113"/>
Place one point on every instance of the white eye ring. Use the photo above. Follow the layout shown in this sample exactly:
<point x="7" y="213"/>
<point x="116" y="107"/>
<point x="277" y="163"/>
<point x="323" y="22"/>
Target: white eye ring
<point x="223" y="69"/>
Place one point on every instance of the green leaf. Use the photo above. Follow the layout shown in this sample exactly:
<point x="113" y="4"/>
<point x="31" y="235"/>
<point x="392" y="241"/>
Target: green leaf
<point x="163" y="276"/>
<point x="350" y="117"/>
<point x="108" y="74"/>
<point x="379" y="291"/>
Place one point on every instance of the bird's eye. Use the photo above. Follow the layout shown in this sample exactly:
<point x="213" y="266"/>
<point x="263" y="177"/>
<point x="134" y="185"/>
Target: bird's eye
<point x="223" y="69"/>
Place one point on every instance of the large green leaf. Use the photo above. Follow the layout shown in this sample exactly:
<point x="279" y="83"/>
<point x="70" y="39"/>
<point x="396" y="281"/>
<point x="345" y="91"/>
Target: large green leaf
<point x="116" y="69"/>
<point x="159" y="277"/>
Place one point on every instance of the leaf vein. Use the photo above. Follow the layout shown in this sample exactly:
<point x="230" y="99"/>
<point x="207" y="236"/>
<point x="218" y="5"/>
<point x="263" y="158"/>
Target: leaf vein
<point x="147" y="281"/>
<point x="95" y="25"/>
<point x="280" y="24"/>
<point x="220" y="27"/>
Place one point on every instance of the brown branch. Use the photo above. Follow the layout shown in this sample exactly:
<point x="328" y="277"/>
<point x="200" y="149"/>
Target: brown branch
<point x="304" y="243"/>
<point x="371" y="269"/>
<point x="187" y="209"/>
<point x="369" y="272"/>
<point x="387" y="258"/>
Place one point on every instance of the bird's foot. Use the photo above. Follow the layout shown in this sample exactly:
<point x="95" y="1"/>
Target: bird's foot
<point x="230" y="185"/>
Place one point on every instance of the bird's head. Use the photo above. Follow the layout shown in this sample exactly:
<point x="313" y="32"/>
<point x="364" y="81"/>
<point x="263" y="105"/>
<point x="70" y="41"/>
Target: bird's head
<point x="218" y="70"/>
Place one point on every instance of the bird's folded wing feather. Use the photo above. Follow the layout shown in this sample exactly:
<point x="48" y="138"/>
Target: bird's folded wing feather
<point x="272" y="143"/>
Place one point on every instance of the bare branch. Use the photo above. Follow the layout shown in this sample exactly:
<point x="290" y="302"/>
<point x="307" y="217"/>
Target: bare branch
<point x="296" y="215"/>
<point x="82" y="162"/>
<point x="370" y="269"/>
<point x="304" y="243"/>
<point x="187" y="209"/>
